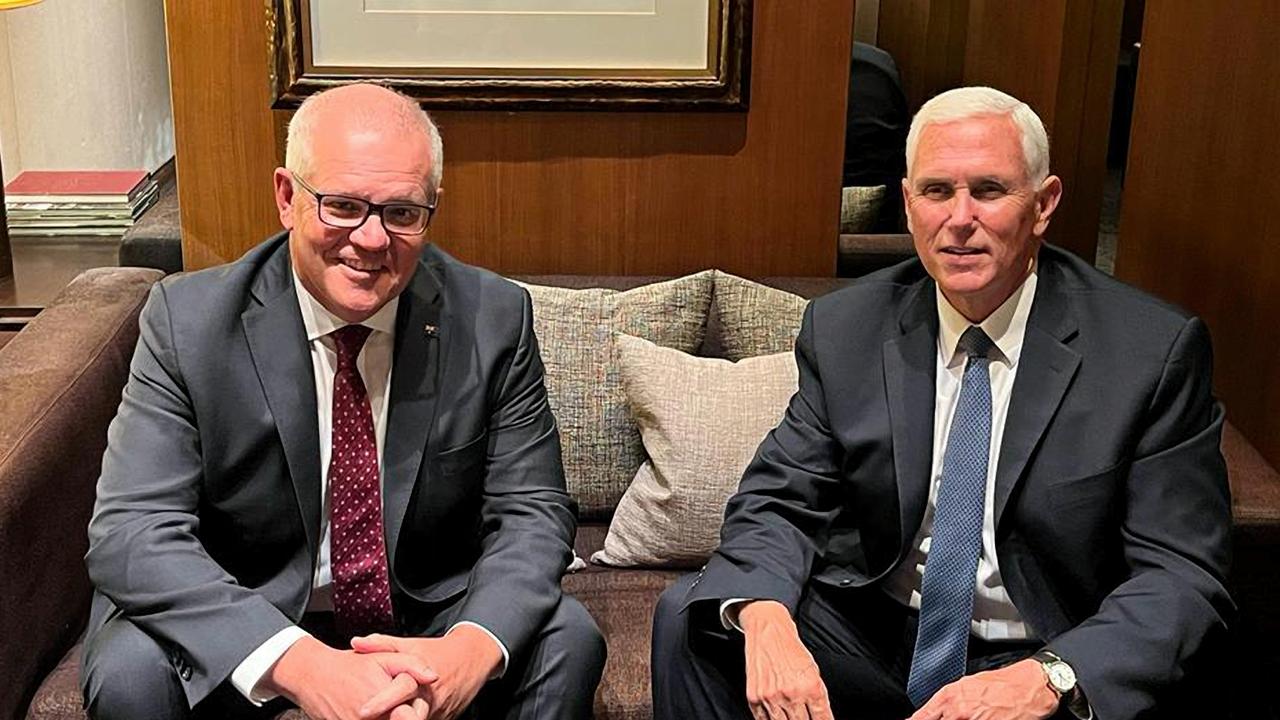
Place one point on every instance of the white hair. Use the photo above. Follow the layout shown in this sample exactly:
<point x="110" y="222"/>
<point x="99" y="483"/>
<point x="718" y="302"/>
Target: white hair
<point x="404" y="113"/>
<point x="969" y="102"/>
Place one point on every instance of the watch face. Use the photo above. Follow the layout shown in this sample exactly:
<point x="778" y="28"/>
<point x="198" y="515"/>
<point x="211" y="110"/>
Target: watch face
<point x="1061" y="676"/>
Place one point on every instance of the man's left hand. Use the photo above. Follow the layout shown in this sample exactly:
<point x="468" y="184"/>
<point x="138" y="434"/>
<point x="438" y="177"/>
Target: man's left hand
<point x="464" y="659"/>
<point x="1016" y="692"/>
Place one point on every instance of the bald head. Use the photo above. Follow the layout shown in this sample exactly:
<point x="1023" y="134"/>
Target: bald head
<point x="355" y="109"/>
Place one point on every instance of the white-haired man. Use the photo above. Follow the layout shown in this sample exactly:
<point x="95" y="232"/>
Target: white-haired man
<point x="334" y="478"/>
<point x="997" y="493"/>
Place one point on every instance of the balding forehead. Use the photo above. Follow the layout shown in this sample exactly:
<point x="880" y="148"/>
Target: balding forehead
<point x="365" y="107"/>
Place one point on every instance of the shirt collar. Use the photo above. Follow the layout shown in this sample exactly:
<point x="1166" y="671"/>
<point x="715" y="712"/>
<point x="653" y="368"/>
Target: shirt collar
<point x="318" y="321"/>
<point x="1006" y="327"/>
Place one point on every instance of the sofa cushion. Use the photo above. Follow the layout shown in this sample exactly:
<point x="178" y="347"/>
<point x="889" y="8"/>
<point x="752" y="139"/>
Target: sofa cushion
<point x="753" y="319"/>
<point x="622" y="602"/>
<point x="701" y="420"/>
<point x="600" y="443"/>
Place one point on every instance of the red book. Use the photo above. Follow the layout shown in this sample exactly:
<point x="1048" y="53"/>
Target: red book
<point x="85" y="185"/>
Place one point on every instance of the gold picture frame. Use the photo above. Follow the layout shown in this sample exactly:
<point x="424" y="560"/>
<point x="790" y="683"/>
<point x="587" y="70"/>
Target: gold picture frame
<point x="297" y="27"/>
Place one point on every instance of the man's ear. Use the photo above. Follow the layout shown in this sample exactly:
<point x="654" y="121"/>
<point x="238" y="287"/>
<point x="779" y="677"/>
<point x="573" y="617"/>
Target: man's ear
<point x="1046" y="202"/>
<point x="906" y="201"/>
<point x="283" y="182"/>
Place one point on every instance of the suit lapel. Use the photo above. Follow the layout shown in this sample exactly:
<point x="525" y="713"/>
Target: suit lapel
<point x="422" y="335"/>
<point x="278" y="344"/>
<point x="1045" y="371"/>
<point x="910" y="366"/>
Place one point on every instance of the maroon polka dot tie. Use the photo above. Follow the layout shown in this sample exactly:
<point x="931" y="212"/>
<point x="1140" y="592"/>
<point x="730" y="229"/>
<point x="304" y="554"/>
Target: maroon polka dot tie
<point x="357" y="557"/>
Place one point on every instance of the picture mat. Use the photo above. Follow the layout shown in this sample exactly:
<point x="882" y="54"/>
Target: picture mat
<point x="560" y="36"/>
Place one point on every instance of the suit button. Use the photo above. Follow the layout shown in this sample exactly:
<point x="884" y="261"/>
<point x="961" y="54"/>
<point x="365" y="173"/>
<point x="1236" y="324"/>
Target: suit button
<point x="185" y="672"/>
<point x="845" y="582"/>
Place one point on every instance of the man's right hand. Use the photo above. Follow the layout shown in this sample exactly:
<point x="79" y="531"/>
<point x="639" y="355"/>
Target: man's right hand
<point x="331" y="684"/>
<point x="783" y="682"/>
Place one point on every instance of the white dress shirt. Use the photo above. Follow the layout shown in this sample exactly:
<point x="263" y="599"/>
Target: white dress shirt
<point x="374" y="364"/>
<point x="994" y="616"/>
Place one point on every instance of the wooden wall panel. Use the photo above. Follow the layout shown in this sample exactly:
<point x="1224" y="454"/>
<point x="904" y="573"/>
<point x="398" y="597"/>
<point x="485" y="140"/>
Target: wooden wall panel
<point x="537" y="192"/>
<point x="226" y="137"/>
<point x="1057" y="55"/>
<point x="1199" y="224"/>
<point x="927" y="39"/>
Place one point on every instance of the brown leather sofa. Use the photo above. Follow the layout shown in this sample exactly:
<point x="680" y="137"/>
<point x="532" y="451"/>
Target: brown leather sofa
<point x="60" y="381"/>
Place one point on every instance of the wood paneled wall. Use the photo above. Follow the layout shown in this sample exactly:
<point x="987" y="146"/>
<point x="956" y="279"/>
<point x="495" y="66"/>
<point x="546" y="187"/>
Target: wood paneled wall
<point x="1199" y="224"/>
<point x="227" y="142"/>
<point x="927" y="39"/>
<point x="755" y="193"/>
<point x="1059" y="56"/>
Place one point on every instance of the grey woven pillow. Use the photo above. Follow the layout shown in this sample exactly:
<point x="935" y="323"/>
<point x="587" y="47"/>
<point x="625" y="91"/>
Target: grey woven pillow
<point x="702" y="420"/>
<point x="600" y="442"/>
<point x="859" y="208"/>
<point x="755" y="319"/>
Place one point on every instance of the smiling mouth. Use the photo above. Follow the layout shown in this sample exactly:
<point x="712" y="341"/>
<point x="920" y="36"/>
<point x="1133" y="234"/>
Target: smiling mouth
<point x="360" y="267"/>
<point x="961" y="251"/>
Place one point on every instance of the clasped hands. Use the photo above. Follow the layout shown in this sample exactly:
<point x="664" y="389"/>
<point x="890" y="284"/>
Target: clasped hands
<point x="783" y="681"/>
<point x="387" y="678"/>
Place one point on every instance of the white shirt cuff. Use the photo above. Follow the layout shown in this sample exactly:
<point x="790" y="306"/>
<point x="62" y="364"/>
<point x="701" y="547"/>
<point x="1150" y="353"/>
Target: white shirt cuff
<point x="729" y="610"/>
<point x="249" y="672"/>
<point x="506" y="657"/>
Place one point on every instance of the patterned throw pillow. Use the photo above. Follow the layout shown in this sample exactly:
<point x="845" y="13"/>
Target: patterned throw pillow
<point x="702" y="420"/>
<point x="755" y="319"/>
<point x="600" y="442"/>
<point x="860" y="207"/>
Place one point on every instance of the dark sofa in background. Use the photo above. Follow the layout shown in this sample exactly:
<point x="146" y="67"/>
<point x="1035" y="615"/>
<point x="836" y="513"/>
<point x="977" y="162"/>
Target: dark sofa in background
<point x="60" y="382"/>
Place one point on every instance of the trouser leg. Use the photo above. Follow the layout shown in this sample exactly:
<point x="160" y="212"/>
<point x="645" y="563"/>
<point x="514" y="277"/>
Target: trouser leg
<point x="698" y="670"/>
<point x="124" y="674"/>
<point x="856" y="640"/>
<point x="556" y="677"/>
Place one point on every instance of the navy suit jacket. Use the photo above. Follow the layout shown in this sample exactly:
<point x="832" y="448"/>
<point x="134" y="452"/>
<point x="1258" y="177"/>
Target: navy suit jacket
<point x="1112" y="512"/>
<point x="207" y="522"/>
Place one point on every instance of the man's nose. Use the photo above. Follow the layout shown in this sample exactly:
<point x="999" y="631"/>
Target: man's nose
<point x="371" y="235"/>
<point x="962" y="209"/>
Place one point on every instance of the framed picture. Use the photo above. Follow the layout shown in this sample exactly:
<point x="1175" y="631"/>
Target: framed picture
<point x="518" y="54"/>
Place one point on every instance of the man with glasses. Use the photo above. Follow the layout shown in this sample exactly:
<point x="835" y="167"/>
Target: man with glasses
<point x="334" y="479"/>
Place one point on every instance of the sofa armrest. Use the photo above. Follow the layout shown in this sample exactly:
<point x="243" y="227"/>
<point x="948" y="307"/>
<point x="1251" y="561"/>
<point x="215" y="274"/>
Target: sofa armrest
<point x="60" y="384"/>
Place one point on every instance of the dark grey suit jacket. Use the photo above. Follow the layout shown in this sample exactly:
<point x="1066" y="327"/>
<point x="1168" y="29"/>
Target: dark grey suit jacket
<point x="1111" y="504"/>
<point x="207" y="522"/>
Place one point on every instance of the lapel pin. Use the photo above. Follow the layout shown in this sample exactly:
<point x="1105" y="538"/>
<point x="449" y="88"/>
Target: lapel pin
<point x="431" y="330"/>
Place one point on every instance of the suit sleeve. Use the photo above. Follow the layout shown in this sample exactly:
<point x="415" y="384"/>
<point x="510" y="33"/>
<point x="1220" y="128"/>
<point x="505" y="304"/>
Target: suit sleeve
<point x="144" y="554"/>
<point x="1173" y="605"/>
<point x="527" y="517"/>
<point x="784" y="506"/>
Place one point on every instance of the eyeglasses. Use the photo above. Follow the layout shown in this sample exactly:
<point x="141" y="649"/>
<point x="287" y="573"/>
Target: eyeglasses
<point x="349" y="213"/>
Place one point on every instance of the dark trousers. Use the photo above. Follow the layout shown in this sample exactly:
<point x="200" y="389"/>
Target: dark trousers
<point x="862" y="641"/>
<point x="126" y="675"/>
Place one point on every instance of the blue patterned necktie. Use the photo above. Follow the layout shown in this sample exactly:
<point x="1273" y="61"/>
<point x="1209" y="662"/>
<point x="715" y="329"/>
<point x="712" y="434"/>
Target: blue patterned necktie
<point x="946" y="592"/>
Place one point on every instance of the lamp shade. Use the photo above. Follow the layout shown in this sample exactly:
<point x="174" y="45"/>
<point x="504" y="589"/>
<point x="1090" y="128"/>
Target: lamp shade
<point x="11" y="4"/>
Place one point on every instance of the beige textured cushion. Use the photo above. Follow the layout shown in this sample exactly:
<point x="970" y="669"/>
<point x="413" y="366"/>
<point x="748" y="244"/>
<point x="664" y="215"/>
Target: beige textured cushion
<point x="702" y="420"/>
<point x="755" y="319"/>
<point x="600" y="442"/>
<point x="859" y="208"/>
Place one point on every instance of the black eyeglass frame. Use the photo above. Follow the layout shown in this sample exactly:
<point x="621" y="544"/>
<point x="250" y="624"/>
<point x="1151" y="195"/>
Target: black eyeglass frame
<point x="370" y="208"/>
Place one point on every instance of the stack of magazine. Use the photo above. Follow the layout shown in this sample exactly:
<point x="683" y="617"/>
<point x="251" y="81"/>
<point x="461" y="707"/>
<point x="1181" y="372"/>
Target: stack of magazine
<point x="77" y="202"/>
